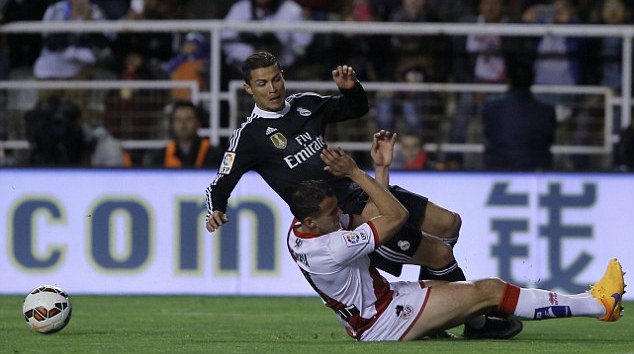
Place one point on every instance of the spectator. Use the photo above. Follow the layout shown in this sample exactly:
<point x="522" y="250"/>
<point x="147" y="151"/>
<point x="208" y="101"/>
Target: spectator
<point x="518" y="129"/>
<point x="484" y="63"/>
<point x="57" y="137"/>
<point x="136" y="113"/>
<point x="290" y="47"/>
<point x="72" y="56"/>
<point x="412" y="154"/>
<point x="369" y="54"/>
<point x="69" y="55"/>
<point x="488" y="66"/>
<point x="191" y="63"/>
<point x="418" y="59"/>
<point x="55" y="134"/>
<point x="186" y="148"/>
<point x="613" y="12"/>
<point x="106" y="150"/>
<point x="143" y="55"/>
<point x="24" y="47"/>
<point x="558" y="59"/>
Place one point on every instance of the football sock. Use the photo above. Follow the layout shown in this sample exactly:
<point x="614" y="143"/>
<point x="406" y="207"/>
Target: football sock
<point x="425" y="273"/>
<point x="537" y="304"/>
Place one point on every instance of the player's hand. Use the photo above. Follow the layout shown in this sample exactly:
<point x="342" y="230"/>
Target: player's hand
<point x="344" y="77"/>
<point x="216" y="219"/>
<point x="382" y="151"/>
<point x="338" y="162"/>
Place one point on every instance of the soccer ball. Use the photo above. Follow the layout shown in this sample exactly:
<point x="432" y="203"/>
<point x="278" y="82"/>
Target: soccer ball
<point x="47" y="309"/>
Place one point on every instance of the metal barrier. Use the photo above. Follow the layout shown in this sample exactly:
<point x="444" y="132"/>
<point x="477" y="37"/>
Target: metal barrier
<point x="214" y="28"/>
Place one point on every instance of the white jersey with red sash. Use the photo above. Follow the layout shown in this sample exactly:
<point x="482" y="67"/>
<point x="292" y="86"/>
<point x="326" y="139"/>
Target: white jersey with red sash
<point x="338" y="268"/>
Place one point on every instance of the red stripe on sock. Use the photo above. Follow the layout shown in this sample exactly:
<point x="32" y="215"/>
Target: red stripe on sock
<point x="509" y="299"/>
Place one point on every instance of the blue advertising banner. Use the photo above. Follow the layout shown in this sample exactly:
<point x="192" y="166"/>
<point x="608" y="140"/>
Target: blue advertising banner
<point x="142" y="232"/>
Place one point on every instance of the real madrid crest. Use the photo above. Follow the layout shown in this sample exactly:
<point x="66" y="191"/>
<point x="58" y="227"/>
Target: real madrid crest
<point x="279" y="140"/>
<point x="303" y="112"/>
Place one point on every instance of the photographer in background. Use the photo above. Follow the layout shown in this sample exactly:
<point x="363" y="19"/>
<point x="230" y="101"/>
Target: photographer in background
<point x="55" y="134"/>
<point x="58" y="138"/>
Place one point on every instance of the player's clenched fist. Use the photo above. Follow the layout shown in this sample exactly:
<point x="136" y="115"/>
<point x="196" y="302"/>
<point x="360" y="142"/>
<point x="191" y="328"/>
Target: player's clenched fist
<point x="216" y="219"/>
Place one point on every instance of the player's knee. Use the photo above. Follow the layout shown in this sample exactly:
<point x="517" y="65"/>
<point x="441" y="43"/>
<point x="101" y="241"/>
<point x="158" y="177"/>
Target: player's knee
<point x="445" y="225"/>
<point x="454" y="225"/>
<point x="457" y="223"/>
<point x="490" y="289"/>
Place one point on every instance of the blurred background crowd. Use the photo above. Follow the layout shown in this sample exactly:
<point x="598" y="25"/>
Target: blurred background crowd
<point x="66" y="128"/>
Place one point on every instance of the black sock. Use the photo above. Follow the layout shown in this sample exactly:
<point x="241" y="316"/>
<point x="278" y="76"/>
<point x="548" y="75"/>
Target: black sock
<point x="450" y="272"/>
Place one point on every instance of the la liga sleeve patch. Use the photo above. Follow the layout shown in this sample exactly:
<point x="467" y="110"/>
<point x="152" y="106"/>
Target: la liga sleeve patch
<point x="227" y="163"/>
<point x="356" y="238"/>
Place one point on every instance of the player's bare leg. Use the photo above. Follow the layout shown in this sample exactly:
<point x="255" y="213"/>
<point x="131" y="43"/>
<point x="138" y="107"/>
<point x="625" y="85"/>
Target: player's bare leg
<point x="451" y="304"/>
<point x="436" y="258"/>
<point x="445" y="225"/>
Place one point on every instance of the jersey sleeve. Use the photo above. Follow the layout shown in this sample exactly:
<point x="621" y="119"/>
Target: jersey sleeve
<point x="239" y="158"/>
<point x="346" y="246"/>
<point x="352" y="104"/>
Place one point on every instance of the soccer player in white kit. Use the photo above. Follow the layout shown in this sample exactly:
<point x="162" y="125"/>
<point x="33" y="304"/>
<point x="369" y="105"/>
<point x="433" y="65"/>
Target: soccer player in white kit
<point x="335" y="262"/>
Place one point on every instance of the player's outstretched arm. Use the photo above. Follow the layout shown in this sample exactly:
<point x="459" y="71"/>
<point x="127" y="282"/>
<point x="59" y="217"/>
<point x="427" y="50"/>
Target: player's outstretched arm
<point x="382" y="153"/>
<point x="392" y="214"/>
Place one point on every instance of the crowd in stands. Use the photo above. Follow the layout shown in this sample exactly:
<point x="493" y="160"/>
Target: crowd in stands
<point x="556" y="60"/>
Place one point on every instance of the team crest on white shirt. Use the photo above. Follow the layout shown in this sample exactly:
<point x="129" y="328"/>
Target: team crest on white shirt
<point x="303" y="112"/>
<point x="357" y="238"/>
<point x="279" y="140"/>
<point x="404" y="312"/>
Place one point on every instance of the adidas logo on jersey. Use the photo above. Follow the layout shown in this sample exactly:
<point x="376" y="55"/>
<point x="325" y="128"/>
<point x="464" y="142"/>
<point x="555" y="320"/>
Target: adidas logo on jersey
<point x="270" y="130"/>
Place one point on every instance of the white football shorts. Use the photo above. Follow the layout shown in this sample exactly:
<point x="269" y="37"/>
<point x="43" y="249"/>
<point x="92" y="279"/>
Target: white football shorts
<point x="400" y="315"/>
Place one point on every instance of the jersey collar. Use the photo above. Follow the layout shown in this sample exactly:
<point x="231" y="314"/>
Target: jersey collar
<point x="300" y="234"/>
<point x="257" y="111"/>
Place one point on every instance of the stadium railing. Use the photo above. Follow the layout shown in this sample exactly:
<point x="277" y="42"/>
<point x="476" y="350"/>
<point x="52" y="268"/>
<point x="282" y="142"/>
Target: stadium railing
<point x="214" y="96"/>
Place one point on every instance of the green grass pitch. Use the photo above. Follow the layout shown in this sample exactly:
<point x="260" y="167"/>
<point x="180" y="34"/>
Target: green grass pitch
<point x="297" y="325"/>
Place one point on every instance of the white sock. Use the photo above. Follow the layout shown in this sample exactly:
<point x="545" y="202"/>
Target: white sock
<point x="537" y="304"/>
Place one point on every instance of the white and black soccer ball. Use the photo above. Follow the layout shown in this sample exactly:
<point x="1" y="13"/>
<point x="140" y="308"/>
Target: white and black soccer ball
<point x="47" y="309"/>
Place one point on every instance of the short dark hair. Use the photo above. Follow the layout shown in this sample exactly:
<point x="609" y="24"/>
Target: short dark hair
<point x="307" y="196"/>
<point x="256" y="61"/>
<point x="176" y="105"/>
